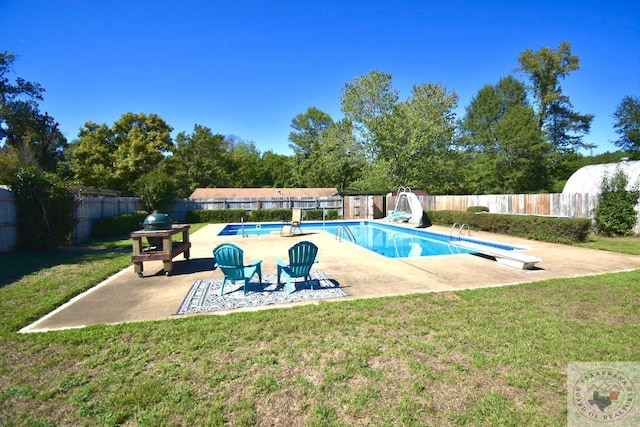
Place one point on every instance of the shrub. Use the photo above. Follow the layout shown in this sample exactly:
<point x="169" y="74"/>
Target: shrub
<point x="476" y="209"/>
<point x="615" y="214"/>
<point x="119" y="225"/>
<point x="271" y="215"/>
<point x="216" y="216"/>
<point x="258" y="215"/>
<point x="316" y="214"/>
<point x="547" y="229"/>
<point x="45" y="210"/>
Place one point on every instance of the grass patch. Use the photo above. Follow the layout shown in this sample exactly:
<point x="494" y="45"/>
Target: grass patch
<point x="626" y="245"/>
<point x="495" y="356"/>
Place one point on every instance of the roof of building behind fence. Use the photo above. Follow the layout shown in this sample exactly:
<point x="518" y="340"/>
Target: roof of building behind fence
<point x="588" y="179"/>
<point x="242" y="193"/>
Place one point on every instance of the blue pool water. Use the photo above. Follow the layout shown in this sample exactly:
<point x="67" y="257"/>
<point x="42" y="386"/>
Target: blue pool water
<point x="385" y="239"/>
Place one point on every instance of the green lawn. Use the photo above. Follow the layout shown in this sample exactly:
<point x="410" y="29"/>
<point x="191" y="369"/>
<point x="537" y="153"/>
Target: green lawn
<point x="627" y="245"/>
<point x="493" y="356"/>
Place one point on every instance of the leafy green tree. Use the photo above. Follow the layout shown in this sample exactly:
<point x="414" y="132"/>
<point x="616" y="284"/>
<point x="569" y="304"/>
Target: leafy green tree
<point x="562" y="165"/>
<point x="274" y="170"/>
<point x="505" y="149"/>
<point x="245" y="160"/>
<point x="338" y="159"/>
<point x="142" y="143"/>
<point x="34" y="136"/>
<point x="307" y="130"/>
<point x="627" y="124"/>
<point x="405" y="143"/>
<point x="91" y="156"/>
<point x="205" y="159"/>
<point x="45" y="210"/>
<point x="157" y="190"/>
<point x="545" y="69"/>
<point x="11" y="160"/>
<point x="520" y="167"/>
<point x="365" y="102"/>
<point x="115" y="157"/>
<point x="200" y="159"/>
<point x="375" y="176"/>
<point x="486" y="110"/>
<point x="607" y="157"/>
<point x="615" y="214"/>
<point x="415" y="140"/>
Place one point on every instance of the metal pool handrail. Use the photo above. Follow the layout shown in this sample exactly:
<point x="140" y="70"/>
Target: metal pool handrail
<point x="460" y="229"/>
<point x="343" y="229"/>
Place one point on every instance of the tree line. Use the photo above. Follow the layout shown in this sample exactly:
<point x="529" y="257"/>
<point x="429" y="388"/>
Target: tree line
<point x="516" y="136"/>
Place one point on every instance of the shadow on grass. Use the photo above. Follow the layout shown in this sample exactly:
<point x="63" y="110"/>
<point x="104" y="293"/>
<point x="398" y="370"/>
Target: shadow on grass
<point x="16" y="265"/>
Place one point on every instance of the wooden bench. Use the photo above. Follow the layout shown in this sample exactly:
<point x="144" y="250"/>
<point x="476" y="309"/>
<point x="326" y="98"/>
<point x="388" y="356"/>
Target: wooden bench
<point x="513" y="259"/>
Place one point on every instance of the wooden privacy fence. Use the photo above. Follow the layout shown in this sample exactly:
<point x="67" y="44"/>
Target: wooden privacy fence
<point x="8" y="229"/>
<point x="561" y="205"/>
<point x="576" y="205"/>
<point x="89" y="209"/>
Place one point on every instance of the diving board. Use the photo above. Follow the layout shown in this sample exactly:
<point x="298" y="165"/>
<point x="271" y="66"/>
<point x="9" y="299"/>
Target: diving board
<point x="513" y="259"/>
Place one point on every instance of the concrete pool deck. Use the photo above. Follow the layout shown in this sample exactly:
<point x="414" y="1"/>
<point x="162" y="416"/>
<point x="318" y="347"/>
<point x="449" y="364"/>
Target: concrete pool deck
<point x="125" y="297"/>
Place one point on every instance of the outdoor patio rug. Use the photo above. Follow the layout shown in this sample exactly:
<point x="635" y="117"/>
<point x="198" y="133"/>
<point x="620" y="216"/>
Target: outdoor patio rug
<point x="204" y="295"/>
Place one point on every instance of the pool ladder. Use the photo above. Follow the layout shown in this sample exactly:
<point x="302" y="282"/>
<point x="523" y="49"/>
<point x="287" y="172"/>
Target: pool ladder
<point x="242" y="223"/>
<point x="343" y="231"/>
<point x="460" y="228"/>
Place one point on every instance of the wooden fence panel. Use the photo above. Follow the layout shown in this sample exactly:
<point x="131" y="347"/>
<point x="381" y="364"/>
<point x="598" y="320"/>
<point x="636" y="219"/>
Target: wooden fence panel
<point x="89" y="209"/>
<point x="554" y="204"/>
<point x="8" y="228"/>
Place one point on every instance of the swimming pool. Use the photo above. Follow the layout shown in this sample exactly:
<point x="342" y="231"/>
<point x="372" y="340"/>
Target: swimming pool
<point x="386" y="239"/>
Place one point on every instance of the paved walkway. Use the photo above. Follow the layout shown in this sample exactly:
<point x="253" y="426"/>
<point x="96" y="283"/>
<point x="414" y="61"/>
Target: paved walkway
<point x="363" y="274"/>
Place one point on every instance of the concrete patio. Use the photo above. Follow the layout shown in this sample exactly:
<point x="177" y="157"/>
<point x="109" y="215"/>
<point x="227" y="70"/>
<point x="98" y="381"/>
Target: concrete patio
<point x="125" y="297"/>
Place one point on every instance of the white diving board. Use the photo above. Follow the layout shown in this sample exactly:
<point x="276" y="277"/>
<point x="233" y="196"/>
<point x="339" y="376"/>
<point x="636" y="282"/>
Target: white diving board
<point x="513" y="259"/>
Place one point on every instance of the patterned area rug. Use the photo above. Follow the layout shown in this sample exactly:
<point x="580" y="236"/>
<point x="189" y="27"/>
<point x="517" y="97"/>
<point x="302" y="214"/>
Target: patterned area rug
<point x="204" y="295"/>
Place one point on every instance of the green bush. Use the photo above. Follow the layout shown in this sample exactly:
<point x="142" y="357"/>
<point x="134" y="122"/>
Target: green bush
<point x="216" y="216"/>
<point x="270" y="215"/>
<point x="118" y="225"/>
<point x="475" y="209"/>
<point x="258" y="215"/>
<point x="45" y="211"/>
<point x="316" y="215"/>
<point x="547" y="229"/>
<point x="615" y="214"/>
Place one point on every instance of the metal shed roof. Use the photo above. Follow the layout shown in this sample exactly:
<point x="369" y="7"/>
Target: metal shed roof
<point x="238" y="193"/>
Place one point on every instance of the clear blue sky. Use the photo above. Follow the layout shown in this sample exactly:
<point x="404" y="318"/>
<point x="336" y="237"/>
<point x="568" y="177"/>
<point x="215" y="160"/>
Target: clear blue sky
<point x="246" y="68"/>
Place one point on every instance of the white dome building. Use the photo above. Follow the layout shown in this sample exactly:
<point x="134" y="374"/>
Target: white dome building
<point x="587" y="179"/>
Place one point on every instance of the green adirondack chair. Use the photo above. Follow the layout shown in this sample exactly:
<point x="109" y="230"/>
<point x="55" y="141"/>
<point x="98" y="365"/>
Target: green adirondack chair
<point x="230" y="259"/>
<point x="302" y="256"/>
